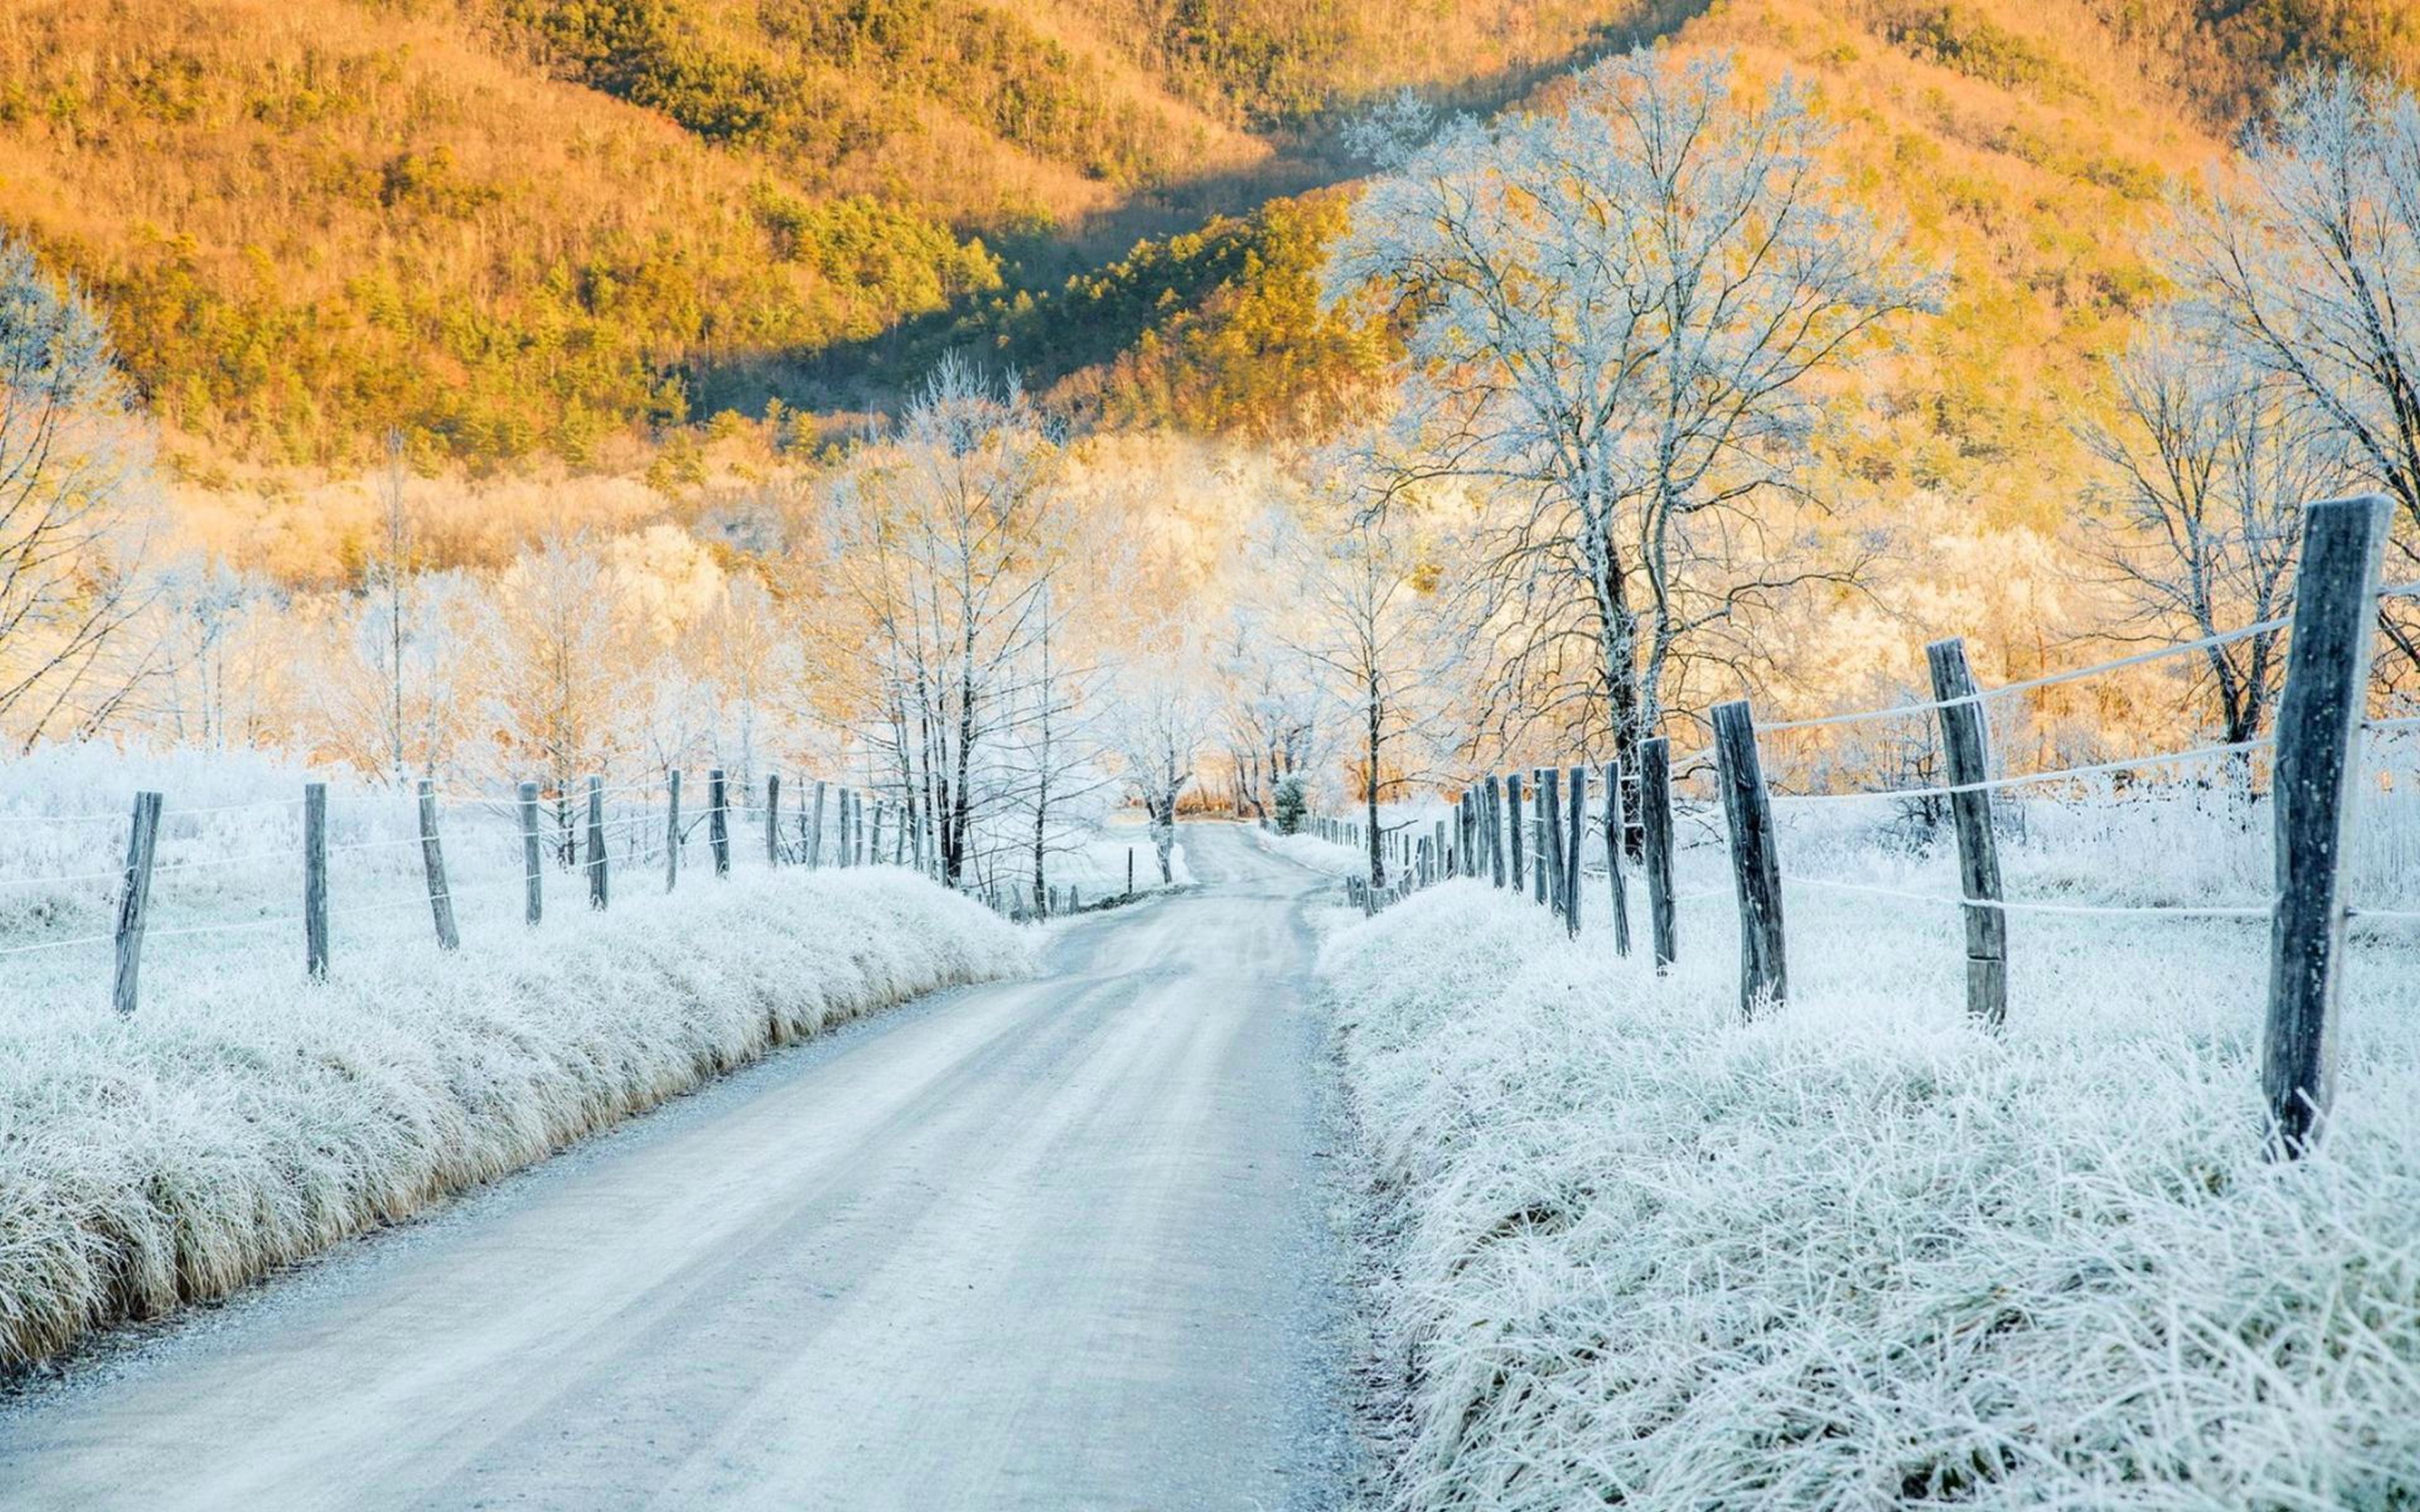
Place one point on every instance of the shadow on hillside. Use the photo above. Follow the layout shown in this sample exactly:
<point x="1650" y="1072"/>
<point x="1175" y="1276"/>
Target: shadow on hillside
<point x="869" y="375"/>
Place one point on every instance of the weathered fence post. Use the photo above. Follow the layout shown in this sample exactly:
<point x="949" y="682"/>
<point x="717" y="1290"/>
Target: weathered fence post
<point x="532" y="894"/>
<point x="874" y="846"/>
<point x="1440" y="856"/>
<point x="134" y="899"/>
<point x="1613" y="838"/>
<point x="671" y="830"/>
<point x="1542" y="835"/>
<point x="1655" y="845"/>
<point x="1550" y="836"/>
<point x="432" y="866"/>
<point x="718" y="820"/>
<point x="597" y="891"/>
<point x="1514" y="819"/>
<point x="816" y="831"/>
<point x="2319" y="732"/>
<point x="1493" y="817"/>
<point x="315" y="880"/>
<point x="1965" y="743"/>
<point x="1756" y="863"/>
<point x="1129" y="871"/>
<point x="1572" y="872"/>
<point x="773" y="819"/>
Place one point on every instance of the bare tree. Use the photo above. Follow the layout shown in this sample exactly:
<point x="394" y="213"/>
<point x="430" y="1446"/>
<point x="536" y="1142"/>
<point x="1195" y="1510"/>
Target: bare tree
<point x="941" y="541"/>
<point x="1618" y="310"/>
<point x="2213" y="461"/>
<point x="1370" y="631"/>
<point x="1165" y="717"/>
<point x="74" y="467"/>
<point x="2303" y="259"/>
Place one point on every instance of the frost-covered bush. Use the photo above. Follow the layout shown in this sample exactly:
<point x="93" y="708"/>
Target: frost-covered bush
<point x="245" y="1118"/>
<point x="1634" y="1251"/>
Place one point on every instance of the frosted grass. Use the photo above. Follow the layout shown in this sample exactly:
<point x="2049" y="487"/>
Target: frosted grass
<point x="1629" y="1250"/>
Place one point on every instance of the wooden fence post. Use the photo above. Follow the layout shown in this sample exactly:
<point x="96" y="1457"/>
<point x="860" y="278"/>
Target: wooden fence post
<point x="672" y="830"/>
<point x="1493" y="818"/>
<point x="432" y="866"/>
<point x="532" y="894"/>
<point x="816" y="831"/>
<point x="1756" y="864"/>
<point x="1550" y="836"/>
<point x="597" y="883"/>
<point x="1541" y="838"/>
<point x="773" y="819"/>
<point x="2318" y="733"/>
<point x="874" y="846"/>
<point x="1440" y="857"/>
<point x="315" y="880"/>
<point x="1129" y="871"/>
<point x="1514" y="819"/>
<point x="718" y="820"/>
<point x="135" y="900"/>
<point x="1613" y="838"/>
<point x="1655" y="845"/>
<point x="1965" y="743"/>
<point x="1572" y="872"/>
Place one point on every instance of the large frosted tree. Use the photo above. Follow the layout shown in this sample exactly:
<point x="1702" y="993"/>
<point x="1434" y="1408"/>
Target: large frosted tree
<point x="2301" y="262"/>
<point x="1619" y="315"/>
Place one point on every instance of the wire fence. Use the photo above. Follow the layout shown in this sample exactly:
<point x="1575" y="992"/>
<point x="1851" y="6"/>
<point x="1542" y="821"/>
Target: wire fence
<point x="2316" y="753"/>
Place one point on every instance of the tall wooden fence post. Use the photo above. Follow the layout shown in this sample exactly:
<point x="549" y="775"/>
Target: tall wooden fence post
<point x="1655" y="845"/>
<point x="315" y="880"/>
<point x="432" y="867"/>
<point x="773" y="819"/>
<point x="1756" y="862"/>
<point x="873" y="843"/>
<point x="717" y="821"/>
<point x="1613" y="838"/>
<point x="1542" y="836"/>
<point x="672" y="830"/>
<point x="135" y="900"/>
<point x="816" y="830"/>
<point x="533" y="884"/>
<point x="1494" y="819"/>
<point x="1965" y="742"/>
<point x="597" y="891"/>
<point x="1572" y="868"/>
<point x="1550" y="836"/>
<point x="2319" y="732"/>
<point x="1514" y="821"/>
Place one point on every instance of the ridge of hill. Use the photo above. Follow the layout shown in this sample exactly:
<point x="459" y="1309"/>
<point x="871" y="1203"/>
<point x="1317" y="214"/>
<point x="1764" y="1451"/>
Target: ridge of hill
<point x="516" y="228"/>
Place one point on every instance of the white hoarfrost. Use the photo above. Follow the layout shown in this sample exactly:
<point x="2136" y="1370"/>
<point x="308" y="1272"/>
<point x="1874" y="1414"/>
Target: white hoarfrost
<point x="1633" y="1250"/>
<point x="245" y="1118"/>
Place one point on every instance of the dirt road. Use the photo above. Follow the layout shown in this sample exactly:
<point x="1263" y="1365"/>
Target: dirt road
<point x="1054" y="1244"/>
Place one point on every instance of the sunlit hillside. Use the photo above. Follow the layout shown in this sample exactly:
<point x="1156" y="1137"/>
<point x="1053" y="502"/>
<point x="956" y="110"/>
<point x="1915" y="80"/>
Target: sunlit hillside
<point x="522" y="229"/>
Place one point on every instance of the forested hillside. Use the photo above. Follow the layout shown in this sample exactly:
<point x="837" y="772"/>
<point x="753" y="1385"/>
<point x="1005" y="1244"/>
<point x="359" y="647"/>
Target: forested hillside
<point x="518" y="228"/>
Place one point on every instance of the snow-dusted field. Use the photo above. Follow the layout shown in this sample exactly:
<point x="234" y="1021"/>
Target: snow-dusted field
<point x="1632" y="1250"/>
<point x="244" y="1116"/>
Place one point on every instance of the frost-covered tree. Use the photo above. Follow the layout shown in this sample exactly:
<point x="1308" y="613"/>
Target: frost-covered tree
<point x="1619" y="311"/>
<point x="1370" y="631"/>
<point x="2212" y="460"/>
<point x="74" y="471"/>
<point x="2303" y="259"/>
<point x="1165" y="717"/>
<point x="941" y="544"/>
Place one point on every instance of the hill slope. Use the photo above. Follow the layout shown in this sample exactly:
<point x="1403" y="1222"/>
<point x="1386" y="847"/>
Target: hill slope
<point x="525" y="227"/>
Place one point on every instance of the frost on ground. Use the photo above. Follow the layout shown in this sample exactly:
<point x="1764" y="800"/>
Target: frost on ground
<point x="1317" y="854"/>
<point x="243" y="1118"/>
<point x="1634" y="1251"/>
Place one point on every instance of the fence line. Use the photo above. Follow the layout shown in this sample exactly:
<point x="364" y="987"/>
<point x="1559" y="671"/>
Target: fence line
<point x="2318" y="742"/>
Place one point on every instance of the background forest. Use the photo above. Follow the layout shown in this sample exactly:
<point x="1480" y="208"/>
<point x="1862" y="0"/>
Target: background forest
<point x="507" y="385"/>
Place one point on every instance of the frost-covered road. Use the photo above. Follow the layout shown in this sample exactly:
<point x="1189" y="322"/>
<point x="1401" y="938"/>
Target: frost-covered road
<point x="1054" y="1244"/>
